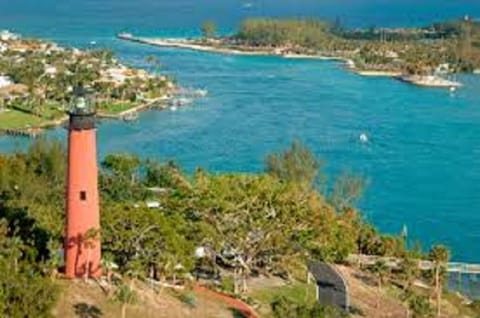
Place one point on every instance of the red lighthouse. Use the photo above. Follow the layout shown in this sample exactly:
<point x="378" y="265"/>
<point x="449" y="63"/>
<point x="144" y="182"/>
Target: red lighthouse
<point x="82" y="237"/>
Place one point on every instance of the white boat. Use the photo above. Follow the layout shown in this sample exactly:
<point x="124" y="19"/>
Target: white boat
<point x="363" y="138"/>
<point x="173" y="108"/>
<point x="130" y="116"/>
<point x="430" y="81"/>
<point x="125" y="35"/>
<point x="201" y="92"/>
<point x="192" y="93"/>
<point x="182" y="101"/>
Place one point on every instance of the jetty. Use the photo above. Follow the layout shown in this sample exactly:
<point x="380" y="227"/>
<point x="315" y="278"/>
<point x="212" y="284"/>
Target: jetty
<point x="424" y="265"/>
<point x="189" y="44"/>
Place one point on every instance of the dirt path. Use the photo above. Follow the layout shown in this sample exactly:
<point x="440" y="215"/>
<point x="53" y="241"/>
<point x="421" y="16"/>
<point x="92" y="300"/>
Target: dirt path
<point x="366" y="300"/>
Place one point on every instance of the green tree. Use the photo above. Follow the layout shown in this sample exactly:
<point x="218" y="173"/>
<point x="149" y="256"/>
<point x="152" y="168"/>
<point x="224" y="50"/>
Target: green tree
<point x="122" y="165"/>
<point x="143" y="240"/>
<point x="91" y="237"/>
<point x="348" y="188"/>
<point x="24" y="291"/>
<point x="154" y="61"/>
<point x="209" y="29"/>
<point x="418" y="305"/>
<point x="409" y="272"/>
<point x="296" y="164"/>
<point x="439" y="255"/>
<point x="125" y="295"/>
<point x="380" y="270"/>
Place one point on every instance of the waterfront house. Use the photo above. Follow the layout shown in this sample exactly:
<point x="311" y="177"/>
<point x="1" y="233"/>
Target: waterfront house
<point x="6" y="35"/>
<point x="11" y="92"/>
<point x="5" y="81"/>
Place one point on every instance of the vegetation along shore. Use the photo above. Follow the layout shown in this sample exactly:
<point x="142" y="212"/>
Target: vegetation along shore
<point x="426" y="56"/>
<point x="37" y="77"/>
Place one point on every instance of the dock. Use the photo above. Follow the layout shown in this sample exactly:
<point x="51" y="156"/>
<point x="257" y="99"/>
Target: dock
<point x="424" y="265"/>
<point x="27" y="132"/>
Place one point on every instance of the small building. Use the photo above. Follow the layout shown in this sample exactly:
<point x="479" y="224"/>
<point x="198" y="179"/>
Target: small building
<point x="11" y="92"/>
<point x="5" y="81"/>
<point x="50" y="70"/>
<point x="6" y="35"/>
<point x="153" y="205"/>
<point x="391" y="54"/>
<point x="443" y="69"/>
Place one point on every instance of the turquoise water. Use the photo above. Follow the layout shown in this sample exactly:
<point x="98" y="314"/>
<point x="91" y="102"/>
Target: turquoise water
<point x="422" y="158"/>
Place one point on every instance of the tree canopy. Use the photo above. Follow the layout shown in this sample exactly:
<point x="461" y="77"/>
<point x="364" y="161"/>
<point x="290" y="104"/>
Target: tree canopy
<point x="246" y="224"/>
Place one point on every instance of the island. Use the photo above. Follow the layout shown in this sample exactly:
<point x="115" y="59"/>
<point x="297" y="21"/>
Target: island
<point x="427" y="56"/>
<point x="37" y="78"/>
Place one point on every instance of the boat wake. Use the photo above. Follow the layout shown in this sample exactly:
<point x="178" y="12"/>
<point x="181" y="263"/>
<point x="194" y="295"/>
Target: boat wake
<point x="186" y="96"/>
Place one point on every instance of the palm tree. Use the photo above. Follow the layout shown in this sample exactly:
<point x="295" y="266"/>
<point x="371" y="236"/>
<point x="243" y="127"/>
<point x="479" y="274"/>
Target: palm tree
<point x="439" y="255"/>
<point x="108" y="264"/>
<point x="409" y="272"/>
<point x="209" y="28"/>
<point x="154" y="62"/>
<point x="380" y="270"/>
<point x="89" y="240"/>
<point x="125" y="295"/>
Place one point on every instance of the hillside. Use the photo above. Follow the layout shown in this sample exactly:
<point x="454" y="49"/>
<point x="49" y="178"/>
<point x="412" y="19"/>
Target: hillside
<point x="87" y="300"/>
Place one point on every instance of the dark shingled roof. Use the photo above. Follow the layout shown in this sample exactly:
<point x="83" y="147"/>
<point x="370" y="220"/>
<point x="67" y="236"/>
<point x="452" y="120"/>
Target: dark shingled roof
<point x="332" y="289"/>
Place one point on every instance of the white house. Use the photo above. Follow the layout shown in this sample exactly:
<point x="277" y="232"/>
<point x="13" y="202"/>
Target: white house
<point x="3" y="47"/>
<point x="153" y="205"/>
<point x="5" y="81"/>
<point x="50" y="70"/>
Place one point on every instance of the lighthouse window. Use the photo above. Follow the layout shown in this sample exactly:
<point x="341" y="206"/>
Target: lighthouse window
<point x="83" y="195"/>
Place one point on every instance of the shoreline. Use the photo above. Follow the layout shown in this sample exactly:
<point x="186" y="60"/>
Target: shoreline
<point x="135" y="109"/>
<point x="33" y="132"/>
<point x="188" y="44"/>
<point x="109" y="72"/>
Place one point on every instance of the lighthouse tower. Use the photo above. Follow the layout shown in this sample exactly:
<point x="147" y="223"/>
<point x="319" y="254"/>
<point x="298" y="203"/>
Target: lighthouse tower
<point x="82" y="237"/>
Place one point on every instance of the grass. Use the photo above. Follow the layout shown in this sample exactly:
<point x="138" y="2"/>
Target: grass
<point x="116" y="108"/>
<point x="301" y="293"/>
<point x="457" y="302"/>
<point x="79" y="299"/>
<point x="52" y="111"/>
<point x="14" y="119"/>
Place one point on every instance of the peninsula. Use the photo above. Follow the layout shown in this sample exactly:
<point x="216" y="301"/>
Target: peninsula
<point x="426" y="56"/>
<point x="36" y="78"/>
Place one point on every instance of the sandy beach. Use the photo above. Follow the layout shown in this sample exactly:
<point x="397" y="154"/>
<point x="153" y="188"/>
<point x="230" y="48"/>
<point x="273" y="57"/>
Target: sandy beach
<point x="426" y="81"/>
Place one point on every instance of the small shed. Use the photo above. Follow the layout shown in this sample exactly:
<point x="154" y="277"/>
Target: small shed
<point x="332" y="289"/>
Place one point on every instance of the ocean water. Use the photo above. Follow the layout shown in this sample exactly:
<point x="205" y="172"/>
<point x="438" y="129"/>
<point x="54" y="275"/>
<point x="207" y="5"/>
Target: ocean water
<point x="424" y="144"/>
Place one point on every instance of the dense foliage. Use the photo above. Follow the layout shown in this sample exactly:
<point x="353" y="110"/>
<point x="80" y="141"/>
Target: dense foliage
<point x="284" y="307"/>
<point x="156" y="219"/>
<point x="25" y="290"/>
<point x="272" y="32"/>
<point x="407" y="50"/>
